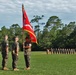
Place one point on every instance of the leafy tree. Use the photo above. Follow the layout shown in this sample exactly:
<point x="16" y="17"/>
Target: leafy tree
<point x="52" y="26"/>
<point x="37" y="27"/>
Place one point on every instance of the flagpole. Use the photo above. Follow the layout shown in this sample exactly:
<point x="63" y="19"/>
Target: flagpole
<point x="22" y="24"/>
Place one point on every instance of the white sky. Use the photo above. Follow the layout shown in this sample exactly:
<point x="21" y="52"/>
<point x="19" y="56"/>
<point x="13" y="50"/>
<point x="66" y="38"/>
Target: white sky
<point x="11" y="10"/>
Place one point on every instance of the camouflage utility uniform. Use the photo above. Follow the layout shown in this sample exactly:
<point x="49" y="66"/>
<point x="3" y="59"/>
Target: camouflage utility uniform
<point x="15" y="48"/>
<point x="4" y="53"/>
<point x="27" y="54"/>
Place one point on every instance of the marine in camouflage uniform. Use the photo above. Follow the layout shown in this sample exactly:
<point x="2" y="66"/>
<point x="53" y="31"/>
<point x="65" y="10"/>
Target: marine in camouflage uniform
<point x="27" y="50"/>
<point x="4" y="52"/>
<point x="15" y="50"/>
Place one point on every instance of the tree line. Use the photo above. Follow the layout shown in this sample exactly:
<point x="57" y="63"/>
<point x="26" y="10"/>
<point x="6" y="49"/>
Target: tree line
<point x="55" y="33"/>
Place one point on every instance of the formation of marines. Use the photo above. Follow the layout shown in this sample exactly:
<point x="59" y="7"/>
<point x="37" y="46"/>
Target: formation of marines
<point x="61" y="51"/>
<point x="14" y="52"/>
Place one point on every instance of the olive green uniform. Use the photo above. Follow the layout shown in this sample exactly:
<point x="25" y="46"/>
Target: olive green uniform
<point x="27" y="54"/>
<point x="4" y="53"/>
<point x="15" y="46"/>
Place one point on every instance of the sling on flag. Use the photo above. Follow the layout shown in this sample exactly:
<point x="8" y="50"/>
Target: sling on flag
<point x="27" y="26"/>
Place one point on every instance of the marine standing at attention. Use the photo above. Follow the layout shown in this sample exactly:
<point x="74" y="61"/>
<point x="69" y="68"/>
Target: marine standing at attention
<point x="15" y="50"/>
<point x="4" y="52"/>
<point x="27" y="49"/>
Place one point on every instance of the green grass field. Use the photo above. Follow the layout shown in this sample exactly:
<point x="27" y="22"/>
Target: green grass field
<point x="43" y="64"/>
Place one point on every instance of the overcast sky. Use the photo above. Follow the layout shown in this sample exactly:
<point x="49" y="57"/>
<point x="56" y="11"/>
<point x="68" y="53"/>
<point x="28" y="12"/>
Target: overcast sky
<point x="11" y="10"/>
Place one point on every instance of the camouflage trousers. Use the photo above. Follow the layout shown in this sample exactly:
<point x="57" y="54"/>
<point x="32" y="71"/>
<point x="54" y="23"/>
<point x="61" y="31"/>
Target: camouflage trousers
<point x="14" y="60"/>
<point x="27" y="60"/>
<point x="4" y="59"/>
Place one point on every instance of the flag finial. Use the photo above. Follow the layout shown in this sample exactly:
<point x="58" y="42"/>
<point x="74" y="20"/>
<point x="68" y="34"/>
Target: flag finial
<point x="22" y="7"/>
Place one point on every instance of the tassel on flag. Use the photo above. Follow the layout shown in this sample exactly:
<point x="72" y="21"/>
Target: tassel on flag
<point x="27" y="26"/>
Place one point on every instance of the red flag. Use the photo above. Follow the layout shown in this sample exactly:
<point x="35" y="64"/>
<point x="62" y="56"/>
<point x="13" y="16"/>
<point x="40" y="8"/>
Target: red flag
<point x="27" y="26"/>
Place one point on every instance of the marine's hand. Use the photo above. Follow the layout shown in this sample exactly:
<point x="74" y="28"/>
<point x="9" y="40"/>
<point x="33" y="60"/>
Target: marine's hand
<point x="6" y="56"/>
<point x="17" y="54"/>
